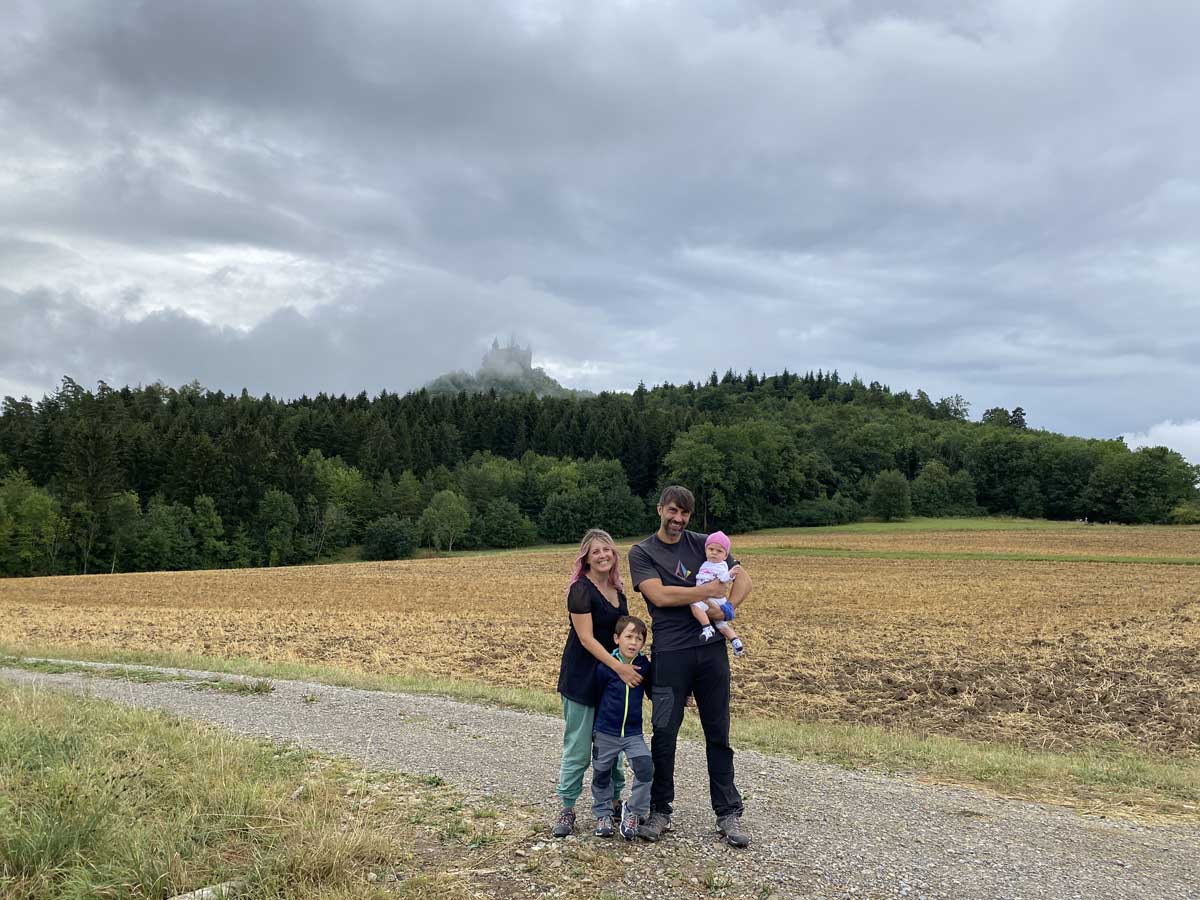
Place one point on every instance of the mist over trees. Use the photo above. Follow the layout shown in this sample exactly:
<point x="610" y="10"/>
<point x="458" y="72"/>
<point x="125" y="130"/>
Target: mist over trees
<point x="175" y="478"/>
<point x="505" y="369"/>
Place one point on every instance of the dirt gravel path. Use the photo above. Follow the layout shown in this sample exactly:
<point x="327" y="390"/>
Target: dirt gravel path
<point x="820" y="831"/>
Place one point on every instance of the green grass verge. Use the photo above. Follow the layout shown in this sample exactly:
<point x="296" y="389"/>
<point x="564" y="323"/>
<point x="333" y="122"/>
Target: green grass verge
<point x="980" y="523"/>
<point x="353" y="553"/>
<point x="837" y="552"/>
<point x="62" y="656"/>
<point x="906" y="526"/>
<point x="143" y="676"/>
<point x="919" y="523"/>
<point x="1113" y="780"/>
<point x="101" y="801"/>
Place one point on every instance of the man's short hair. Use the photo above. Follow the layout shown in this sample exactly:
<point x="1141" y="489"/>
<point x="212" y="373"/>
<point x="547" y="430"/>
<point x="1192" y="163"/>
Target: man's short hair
<point x="679" y="495"/>
<point x="639" y="627"/>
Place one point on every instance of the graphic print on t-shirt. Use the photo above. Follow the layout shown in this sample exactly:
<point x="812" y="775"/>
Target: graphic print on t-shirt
<point x="674" y="565"/>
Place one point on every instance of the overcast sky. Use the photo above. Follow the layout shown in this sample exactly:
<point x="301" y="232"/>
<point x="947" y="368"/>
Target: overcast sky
<point x="995" y="199"/>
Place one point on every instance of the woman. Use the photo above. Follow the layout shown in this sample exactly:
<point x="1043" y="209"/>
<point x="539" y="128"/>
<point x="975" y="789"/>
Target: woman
<point x="595" y="600"/>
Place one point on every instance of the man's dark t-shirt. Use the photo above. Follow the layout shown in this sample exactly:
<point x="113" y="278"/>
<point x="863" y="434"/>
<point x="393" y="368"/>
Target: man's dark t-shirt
<point x="576" y="673"/>
<point x="675" y="628"/>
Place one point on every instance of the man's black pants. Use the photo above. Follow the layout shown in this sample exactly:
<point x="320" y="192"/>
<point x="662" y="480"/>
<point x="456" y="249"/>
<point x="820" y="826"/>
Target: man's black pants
<point x="702" y="672"/>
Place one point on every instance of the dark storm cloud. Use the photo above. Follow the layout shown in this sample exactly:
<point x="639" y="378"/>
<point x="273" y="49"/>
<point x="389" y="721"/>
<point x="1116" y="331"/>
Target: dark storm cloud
<point x="998" y="200"/>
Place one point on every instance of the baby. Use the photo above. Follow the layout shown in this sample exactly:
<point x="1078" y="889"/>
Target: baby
<point x="716" y="549"/>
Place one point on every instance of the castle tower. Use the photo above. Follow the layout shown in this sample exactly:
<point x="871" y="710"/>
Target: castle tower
<point x="512" y="360"/>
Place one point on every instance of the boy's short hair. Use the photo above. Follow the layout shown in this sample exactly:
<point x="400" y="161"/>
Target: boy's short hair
<point x="679" y="495"/>
<point x="625" y="621"/>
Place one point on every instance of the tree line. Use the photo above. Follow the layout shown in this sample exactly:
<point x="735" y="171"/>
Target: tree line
<point x="156" y="477"/>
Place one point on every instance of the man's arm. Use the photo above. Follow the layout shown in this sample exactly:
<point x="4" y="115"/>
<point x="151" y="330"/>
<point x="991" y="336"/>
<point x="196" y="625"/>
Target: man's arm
<point x="661" y="595"/>
<point x="742" y="586"/>
<point x="740" y="589"/>
<point x="648" y="583"/>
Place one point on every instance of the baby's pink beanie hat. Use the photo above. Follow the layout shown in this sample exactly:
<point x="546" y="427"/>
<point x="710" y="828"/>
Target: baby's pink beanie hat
<point x="719" y="538"/>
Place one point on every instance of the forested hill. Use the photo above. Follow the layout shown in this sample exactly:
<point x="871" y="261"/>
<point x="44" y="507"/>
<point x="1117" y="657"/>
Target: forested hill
<point x="533" y="381"/>
<point x="156" y="477"/>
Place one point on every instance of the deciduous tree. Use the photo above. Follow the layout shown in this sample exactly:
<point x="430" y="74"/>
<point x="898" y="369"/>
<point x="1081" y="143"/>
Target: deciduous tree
<point x="445" y="519"/>
<point x="890" y="497"/>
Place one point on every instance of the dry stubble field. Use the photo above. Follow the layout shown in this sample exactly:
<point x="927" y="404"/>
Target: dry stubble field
<point x="1048" y="654"/>
<point x="1065" y="540"/>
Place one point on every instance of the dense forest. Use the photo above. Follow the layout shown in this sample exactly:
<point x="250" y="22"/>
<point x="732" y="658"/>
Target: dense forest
<point x="163" y="478"/>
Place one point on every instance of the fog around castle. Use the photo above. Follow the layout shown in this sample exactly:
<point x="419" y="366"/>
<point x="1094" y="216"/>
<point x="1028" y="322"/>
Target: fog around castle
<point x="507" y="370"/>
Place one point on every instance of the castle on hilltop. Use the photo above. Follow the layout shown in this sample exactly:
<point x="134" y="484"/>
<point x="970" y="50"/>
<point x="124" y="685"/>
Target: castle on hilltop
<point x="507" y="371"/>
<point x="511" y="360"/>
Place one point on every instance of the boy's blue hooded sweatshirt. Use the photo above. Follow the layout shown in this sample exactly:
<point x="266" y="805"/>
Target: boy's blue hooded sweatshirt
<point x="619" y="711"/>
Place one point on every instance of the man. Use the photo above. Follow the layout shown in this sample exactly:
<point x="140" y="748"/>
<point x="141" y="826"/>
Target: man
<point x="686" y="662"/>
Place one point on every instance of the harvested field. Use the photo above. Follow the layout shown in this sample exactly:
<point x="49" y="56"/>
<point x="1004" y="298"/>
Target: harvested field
<point x="1046" y="654"/>
<point x="1069" y="539"/>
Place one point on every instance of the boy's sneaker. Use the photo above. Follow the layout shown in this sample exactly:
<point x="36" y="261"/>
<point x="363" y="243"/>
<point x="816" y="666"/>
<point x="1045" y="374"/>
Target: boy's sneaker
<point x="630" y="823"/>
<point x="738" y="647"/>
<point x="708" y="632"/>
<point x="655" y="825"/>
<point x="565" y="824"/>
<point x="604" y="826"/>
<point x="731" y="829"/>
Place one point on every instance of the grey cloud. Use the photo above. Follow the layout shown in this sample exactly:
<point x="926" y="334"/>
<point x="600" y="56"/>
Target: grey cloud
<point x="1183" y="437"/>
<point x="143" y="200"/>
<point x="990" y="199"/>
<point x="394" y="337"/>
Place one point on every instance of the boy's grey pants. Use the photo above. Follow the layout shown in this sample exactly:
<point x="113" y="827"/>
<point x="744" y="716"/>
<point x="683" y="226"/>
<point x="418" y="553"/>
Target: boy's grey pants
<point x="605" y="748"/>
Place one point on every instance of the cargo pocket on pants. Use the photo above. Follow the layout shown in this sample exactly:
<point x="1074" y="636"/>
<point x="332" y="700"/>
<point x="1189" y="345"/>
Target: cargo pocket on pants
<point x="664" y="705"/>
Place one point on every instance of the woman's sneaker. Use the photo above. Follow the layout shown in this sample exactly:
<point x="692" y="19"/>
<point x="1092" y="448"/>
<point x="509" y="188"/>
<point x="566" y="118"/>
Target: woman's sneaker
<point x="565" y="824"/>
<point x="604" y="827"/>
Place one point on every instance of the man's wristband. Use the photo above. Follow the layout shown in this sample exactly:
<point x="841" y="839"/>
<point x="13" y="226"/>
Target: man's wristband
<point x="727" y="608"/>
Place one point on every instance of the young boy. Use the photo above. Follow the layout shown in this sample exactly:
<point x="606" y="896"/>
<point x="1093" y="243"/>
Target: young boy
<point x="618" y="729"/>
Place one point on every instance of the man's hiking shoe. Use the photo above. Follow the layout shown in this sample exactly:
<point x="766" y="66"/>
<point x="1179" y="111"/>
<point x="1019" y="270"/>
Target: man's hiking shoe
<point x="731" y="829"/>
<point x="565" y="824"/>
<point x="630" y="825"/>
<point x="604" y="827"/>
<point x="655" y="826"/>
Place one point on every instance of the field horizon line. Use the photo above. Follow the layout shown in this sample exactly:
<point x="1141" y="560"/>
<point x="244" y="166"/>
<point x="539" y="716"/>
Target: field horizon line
<point x="974" y="555"/>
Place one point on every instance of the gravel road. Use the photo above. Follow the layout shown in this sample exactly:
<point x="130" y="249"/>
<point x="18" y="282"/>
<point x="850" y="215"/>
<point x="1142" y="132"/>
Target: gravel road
<point x="819" y="831"/>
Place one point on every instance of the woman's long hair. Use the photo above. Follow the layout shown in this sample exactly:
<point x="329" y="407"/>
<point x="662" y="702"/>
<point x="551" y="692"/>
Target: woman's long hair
<point x="579" y="570"/>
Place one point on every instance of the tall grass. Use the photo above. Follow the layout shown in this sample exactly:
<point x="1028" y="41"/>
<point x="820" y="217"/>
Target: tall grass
<point x="98" y="801"/>
<point x="102" y="802"/>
